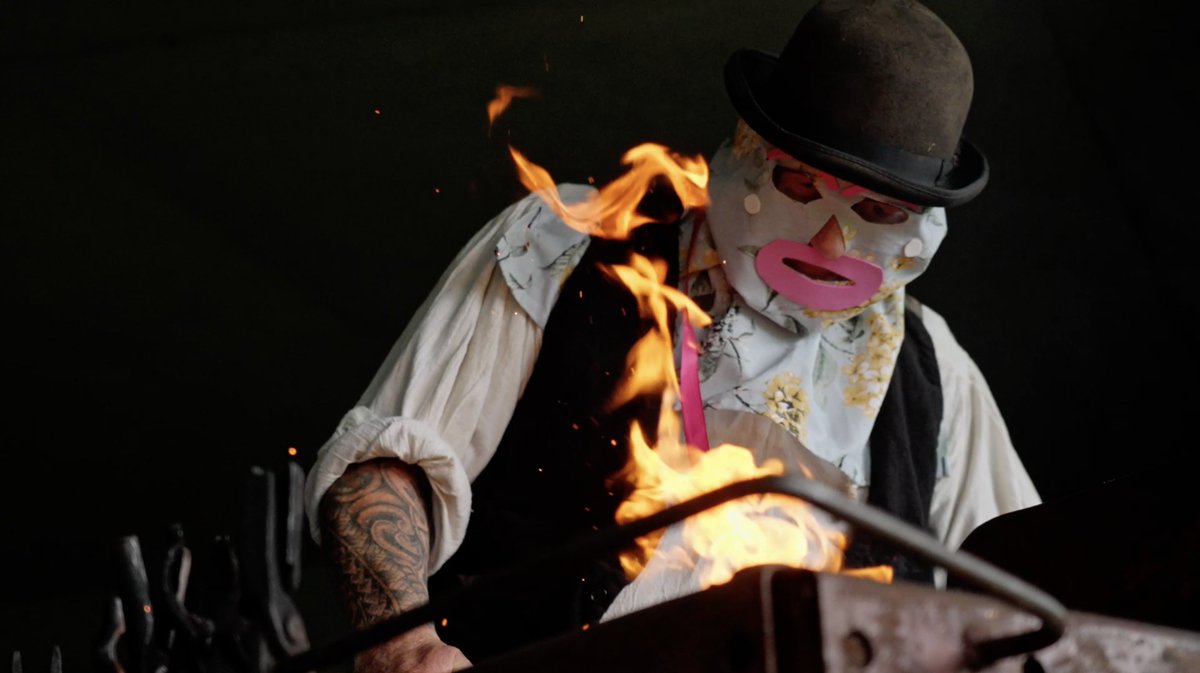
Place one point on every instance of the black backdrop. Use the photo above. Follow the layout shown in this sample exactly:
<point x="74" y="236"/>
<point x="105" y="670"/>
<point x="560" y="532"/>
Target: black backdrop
<point x="217" y="218"/>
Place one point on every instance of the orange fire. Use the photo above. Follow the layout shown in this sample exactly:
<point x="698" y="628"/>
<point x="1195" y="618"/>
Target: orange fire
<point x="664" y="470"/>
<point x="504" y="97"/>
<point x="650" y="365"/>
<point x="738" y="534"/>
<point x="612" y="212"/>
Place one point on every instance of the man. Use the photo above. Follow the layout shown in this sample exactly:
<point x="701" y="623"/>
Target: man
<point x="487" y="432"/>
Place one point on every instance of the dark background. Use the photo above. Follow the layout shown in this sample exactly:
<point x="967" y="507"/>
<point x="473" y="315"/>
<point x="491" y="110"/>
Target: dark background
<point x="217" y="217"/>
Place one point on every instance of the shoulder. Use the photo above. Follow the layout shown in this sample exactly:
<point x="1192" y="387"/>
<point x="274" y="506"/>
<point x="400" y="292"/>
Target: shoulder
<point x="966" y="396"/>
<point x="536" y="205"/>
<point x="536" y="250"/>
<point x="981" y="476"/>
<point x="954" y="363"/>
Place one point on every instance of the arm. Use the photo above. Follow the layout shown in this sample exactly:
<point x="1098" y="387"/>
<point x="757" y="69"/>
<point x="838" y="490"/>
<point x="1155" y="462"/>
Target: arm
<point x="375" y="526"/>
<point x="389" y="494"/>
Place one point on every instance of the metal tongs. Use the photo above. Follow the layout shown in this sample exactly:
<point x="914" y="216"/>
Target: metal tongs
<point x="242" y="618"/>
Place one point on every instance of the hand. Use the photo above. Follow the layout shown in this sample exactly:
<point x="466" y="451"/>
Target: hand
<point x="418" y="651"/>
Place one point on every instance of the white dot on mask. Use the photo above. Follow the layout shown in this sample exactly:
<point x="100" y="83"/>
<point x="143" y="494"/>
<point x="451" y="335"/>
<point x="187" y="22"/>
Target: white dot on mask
<point x="752" y="204"/>
<point x="913" y="247"/>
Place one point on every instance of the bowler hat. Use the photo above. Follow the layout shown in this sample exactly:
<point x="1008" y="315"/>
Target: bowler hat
<point x="875" y="92"/>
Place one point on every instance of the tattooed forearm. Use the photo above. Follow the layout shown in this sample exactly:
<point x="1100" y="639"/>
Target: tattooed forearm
<point x="376" y="532"/>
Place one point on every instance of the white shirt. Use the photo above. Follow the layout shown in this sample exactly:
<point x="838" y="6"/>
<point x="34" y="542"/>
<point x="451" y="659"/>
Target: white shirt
<point x="447" y="390"/>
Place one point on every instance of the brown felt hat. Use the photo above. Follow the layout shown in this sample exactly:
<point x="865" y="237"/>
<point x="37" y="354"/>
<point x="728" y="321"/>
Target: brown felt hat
<point x="875" y="92"/>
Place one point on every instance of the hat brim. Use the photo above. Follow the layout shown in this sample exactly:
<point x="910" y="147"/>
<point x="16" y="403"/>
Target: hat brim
<point x="746" y="76"/>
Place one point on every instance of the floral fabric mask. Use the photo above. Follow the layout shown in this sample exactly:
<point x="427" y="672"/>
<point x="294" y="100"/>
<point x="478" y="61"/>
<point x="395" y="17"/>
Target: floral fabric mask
<point x="813" y="346"/>
<point x="766" y="210"/>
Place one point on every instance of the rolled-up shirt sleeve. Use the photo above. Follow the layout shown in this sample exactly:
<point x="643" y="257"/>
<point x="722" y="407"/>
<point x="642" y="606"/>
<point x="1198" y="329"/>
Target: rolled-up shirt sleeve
<point x="444" y="395"/>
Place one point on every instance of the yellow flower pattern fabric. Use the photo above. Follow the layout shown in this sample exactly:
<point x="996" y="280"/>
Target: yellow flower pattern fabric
<point x="824" y="383"/>
<point x="871" y="371"/>
<point x="787" y="403"/>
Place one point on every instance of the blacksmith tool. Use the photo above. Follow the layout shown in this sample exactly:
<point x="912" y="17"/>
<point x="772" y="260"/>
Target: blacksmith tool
<point x="181" y="635"/>
<point x="106" y="658"/>
<point x="133" y="588"/>
<point x="243" y="619"/>
<point x="220" y="600"/>
<point x="292" y="495"/>
<point x="272" y="608"/>
<point x="55" y="661"/>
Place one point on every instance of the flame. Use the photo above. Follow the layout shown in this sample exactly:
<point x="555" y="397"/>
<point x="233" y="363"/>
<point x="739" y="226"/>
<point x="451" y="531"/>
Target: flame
<point x="756" y="530"/>
<point x="750" y="531"/>
<point x="881" y="574"/>
<point x="766" y="529"/>
<point x="735" y="535"/>
<point x="650" y="365"/>
<point x="504" y="97"/>
<point x="612" y="212"/>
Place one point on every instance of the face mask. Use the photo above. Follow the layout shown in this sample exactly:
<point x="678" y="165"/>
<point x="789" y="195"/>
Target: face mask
<point x="764" y="237"/>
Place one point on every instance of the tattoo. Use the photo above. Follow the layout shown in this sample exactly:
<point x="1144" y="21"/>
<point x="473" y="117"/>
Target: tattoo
<point x="375" y="529"/>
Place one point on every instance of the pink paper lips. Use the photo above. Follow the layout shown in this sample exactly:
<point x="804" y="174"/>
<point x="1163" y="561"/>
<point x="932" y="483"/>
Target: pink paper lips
<point x="864" y="277"/>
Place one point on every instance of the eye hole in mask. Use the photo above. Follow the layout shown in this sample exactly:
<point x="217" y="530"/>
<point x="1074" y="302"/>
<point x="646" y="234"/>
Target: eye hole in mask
<point x="795" y="184"/>
<point x="878" y="212"/>
<point x="800" y="185"/>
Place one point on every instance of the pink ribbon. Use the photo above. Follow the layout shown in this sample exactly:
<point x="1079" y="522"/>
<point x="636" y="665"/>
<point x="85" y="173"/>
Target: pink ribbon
<point x="695" y="430"/>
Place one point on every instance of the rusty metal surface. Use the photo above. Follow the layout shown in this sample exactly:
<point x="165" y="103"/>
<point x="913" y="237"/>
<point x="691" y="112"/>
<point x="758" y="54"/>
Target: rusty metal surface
<point x="782" y="620"/>
<point x="1098" y="643"/>
<point x="871" y="628"/>
<point x="727" y="629"/>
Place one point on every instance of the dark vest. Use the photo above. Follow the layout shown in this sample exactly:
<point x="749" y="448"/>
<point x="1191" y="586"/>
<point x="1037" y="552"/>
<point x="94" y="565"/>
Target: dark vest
<point x="549" y="480"/>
